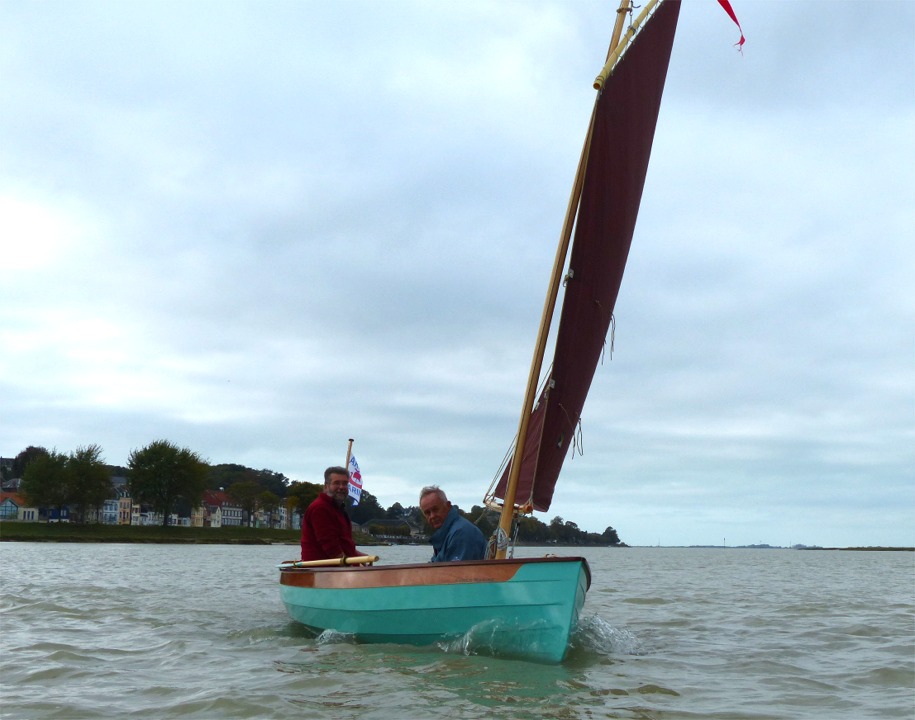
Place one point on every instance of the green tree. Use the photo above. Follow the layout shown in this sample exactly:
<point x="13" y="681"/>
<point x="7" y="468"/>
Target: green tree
<point x="245" y="494"/>
<point x="483" y="518"/>
<point x="225" y="475"/>
<point x="21" y="461"/>
<point x="116" y="470"/>
<point x="414" y="515"/>
<point x="301" y="495"/>
<point x="531" y="530"/>
<point x="221" y="476"/>
<point x="573" y="533"/>
<point x="275" y="482"/>
<point x="610" y="536"/>
<point x="90" y="482"/>
<point x="367" y="509"/>
<point x="47" y="481"/>
<point x="269" y="503"/>
<point x="401" y="530"/>
<point x="558" y="529"/>
<point x="161" y="474"/>
<point x="565" y="531"/>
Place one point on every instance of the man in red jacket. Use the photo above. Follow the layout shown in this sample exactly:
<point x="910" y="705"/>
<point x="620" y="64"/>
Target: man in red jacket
<point x="326" y="529"/>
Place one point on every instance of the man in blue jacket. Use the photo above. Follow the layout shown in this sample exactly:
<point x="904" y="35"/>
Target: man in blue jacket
<point x="455" y="537"/>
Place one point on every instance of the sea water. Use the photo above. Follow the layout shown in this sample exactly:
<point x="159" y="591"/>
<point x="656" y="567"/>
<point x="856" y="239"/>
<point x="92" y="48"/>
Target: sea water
<point x="198" y="631"/>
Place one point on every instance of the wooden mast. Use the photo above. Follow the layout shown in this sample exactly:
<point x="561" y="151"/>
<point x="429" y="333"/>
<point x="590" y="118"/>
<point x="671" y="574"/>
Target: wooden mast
<point x="616" y="49"/>
<point x="508" y="502"/>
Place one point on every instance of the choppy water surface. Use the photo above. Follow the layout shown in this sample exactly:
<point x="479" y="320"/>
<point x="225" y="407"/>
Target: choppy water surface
<point x="166" y="631"/>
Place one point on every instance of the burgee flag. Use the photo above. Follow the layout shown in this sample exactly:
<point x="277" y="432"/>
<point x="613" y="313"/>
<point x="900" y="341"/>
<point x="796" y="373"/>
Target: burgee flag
<point x="730" y="11"/>
<point x="355" y="480"/>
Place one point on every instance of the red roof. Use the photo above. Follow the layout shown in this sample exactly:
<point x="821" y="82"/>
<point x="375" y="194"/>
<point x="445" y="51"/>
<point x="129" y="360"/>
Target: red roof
<point x="15" y="497"/>
<point x="216" y="498"/>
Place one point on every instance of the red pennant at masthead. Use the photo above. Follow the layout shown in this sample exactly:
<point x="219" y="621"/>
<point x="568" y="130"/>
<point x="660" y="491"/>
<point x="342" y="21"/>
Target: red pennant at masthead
<point x="730" y="11"/>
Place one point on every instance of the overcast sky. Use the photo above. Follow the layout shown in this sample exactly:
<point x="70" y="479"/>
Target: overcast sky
<point x="257" y="229"/>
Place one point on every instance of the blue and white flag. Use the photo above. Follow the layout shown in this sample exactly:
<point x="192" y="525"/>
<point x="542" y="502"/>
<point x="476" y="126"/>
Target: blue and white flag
<point x="355" y="480"/>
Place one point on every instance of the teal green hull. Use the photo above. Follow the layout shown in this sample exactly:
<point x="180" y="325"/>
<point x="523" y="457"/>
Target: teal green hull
<point x="530" y="615"/>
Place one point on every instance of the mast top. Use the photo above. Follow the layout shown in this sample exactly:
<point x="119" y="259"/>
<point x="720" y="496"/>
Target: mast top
<point x="617" y="50"/>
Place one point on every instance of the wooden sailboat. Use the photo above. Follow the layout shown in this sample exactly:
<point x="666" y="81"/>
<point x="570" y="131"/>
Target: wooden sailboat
<point x="529" y="607"/>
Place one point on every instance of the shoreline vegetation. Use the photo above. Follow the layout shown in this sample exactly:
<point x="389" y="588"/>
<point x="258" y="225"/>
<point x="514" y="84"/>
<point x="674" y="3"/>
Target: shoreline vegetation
<point x="15" y="531"/>
<point x="98" y="533"/>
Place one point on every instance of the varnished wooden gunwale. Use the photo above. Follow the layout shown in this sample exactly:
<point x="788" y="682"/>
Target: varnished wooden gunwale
<point x="447" y="573"/>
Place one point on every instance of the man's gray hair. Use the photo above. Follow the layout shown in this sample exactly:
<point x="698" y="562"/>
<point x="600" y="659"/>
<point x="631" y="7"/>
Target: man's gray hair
<point x="334" y="470"/>
<point x="432" y="490"/>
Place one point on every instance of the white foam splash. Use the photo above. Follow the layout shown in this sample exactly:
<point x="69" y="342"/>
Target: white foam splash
<point x="499" y="638"/>
<point x="334" y="637"/>
<point x="597" y="635"/>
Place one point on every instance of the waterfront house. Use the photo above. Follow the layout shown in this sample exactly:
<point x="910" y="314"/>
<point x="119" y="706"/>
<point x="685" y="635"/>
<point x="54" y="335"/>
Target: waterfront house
<point x="109" y="512"/>
<point x="276" y="519"/>
<point x="220" y="510"/>
<point x="13" y="507"/>
<point x="125" y="509"/>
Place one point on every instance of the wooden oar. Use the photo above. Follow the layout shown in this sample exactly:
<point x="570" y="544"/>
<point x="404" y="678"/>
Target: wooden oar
<point x="355" y="560"/>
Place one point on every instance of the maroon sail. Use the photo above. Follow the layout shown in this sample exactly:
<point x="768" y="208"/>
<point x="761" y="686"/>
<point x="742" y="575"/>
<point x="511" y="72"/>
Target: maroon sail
<point x="624" y="124"/>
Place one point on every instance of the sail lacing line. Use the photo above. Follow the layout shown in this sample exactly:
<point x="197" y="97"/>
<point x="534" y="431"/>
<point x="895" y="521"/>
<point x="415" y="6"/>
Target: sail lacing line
<point x="612" y="331"/>
<point x="578" y="442"/>
<point x="612" y="339"/>
<point x="577" y="437"/>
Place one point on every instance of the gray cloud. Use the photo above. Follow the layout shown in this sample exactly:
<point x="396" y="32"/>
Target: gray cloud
<point x="260" y="229"/>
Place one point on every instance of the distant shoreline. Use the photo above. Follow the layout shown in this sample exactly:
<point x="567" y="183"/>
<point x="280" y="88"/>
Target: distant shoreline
<point x="869" y="548"/>
<point x="15" y="531"/>
<point x="865" y="549"/>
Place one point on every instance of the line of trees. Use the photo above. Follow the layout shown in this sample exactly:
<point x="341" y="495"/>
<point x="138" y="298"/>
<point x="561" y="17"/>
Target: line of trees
<point x="171" y="479"/>
<point x="78" y="480"/>
<point x="161" y="475"/>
